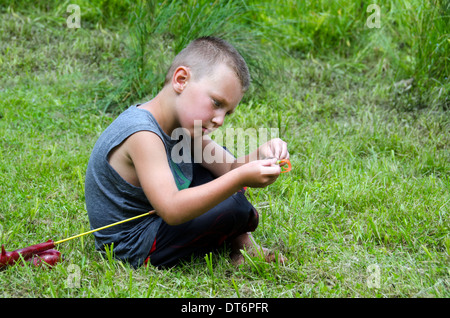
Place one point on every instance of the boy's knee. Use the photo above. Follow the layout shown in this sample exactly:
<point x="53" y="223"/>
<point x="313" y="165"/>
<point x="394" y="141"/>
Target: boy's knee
<point x="245" y="214"/>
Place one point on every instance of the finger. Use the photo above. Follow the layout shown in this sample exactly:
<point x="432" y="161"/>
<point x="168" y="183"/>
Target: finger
<point x="269" y="162"/>
<point x="277" y="151"/>
<point x="277" y="148"/>
<point x="280" y="149"/>
<point x="273" y="170"/>
<point x="270" y="153"/>
<point x="284" y="154"/>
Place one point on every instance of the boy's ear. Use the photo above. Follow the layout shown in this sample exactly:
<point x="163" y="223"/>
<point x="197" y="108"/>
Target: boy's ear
<point x="180" y="78"/>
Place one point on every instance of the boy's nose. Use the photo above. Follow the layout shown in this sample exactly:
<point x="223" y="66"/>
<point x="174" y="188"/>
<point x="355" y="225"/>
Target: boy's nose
<point x="218" y="120"/>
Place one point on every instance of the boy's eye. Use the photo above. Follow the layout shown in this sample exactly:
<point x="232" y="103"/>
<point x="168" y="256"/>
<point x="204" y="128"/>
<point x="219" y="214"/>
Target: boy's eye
<point x="219" y="104"/>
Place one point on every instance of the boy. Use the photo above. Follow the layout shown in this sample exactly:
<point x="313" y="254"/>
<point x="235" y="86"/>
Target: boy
<point x="198" y="206"/>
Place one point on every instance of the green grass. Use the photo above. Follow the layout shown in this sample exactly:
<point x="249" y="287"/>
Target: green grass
<point x="370" y="184"/>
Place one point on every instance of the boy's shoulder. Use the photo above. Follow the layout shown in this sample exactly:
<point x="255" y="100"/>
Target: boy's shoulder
<point x="132" y="120"/>
<point x="135" y="115"/>
<point x="129" y="122"/>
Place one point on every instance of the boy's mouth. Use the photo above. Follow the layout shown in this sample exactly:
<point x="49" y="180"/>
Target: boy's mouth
<point x="206" y="131"/>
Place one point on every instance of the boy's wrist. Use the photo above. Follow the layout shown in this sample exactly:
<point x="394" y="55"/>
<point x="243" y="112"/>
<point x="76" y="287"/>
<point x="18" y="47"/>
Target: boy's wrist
<point x="238" y="176"/>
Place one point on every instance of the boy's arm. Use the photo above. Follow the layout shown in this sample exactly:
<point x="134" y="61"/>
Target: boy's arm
<point x="215" y="158"/>
<point x="148" y="155"/>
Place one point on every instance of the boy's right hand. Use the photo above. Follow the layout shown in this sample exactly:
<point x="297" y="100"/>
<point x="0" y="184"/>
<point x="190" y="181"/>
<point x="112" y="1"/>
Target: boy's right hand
<point x="259" y="173"/>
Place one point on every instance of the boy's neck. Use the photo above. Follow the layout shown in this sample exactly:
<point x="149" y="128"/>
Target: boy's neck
<point x="160" y="107"/>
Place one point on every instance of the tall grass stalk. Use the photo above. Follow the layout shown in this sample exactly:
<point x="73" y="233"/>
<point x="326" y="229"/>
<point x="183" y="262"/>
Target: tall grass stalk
<point x="159" y="30"/>
<point x="412" y="42"/>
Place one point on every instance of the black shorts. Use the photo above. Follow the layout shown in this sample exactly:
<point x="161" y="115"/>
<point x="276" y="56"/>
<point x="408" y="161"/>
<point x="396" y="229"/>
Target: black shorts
<point x="229" y="219"/>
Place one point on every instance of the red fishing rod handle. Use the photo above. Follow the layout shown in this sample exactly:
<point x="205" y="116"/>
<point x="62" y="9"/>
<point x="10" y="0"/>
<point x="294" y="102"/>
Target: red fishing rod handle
<point x="10" y="258"/>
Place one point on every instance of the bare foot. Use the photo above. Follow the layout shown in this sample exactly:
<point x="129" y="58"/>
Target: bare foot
<point x="247" y="243"/>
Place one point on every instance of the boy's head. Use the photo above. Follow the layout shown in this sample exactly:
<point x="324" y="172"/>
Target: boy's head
<point x="203" y="54"/>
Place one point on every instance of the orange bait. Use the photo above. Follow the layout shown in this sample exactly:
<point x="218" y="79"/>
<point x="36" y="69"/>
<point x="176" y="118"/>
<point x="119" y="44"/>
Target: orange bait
<point x="285" y="168"/>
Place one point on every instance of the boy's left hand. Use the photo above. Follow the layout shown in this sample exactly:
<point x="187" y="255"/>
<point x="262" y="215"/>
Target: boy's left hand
<point x="274" y="148"/>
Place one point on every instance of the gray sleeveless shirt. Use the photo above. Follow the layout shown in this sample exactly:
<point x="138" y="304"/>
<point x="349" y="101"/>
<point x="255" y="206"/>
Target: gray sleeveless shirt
<point x="109" y="198"/>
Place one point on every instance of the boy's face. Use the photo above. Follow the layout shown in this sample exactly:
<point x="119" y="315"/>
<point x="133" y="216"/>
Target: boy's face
<point x="208" y="99"/>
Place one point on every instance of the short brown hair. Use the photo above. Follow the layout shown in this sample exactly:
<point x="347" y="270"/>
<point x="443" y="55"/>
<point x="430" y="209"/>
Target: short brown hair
<point x="203" y="53"/>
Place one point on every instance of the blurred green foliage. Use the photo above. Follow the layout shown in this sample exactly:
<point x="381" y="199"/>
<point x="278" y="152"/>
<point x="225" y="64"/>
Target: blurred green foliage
<point x="411" y="43"/>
